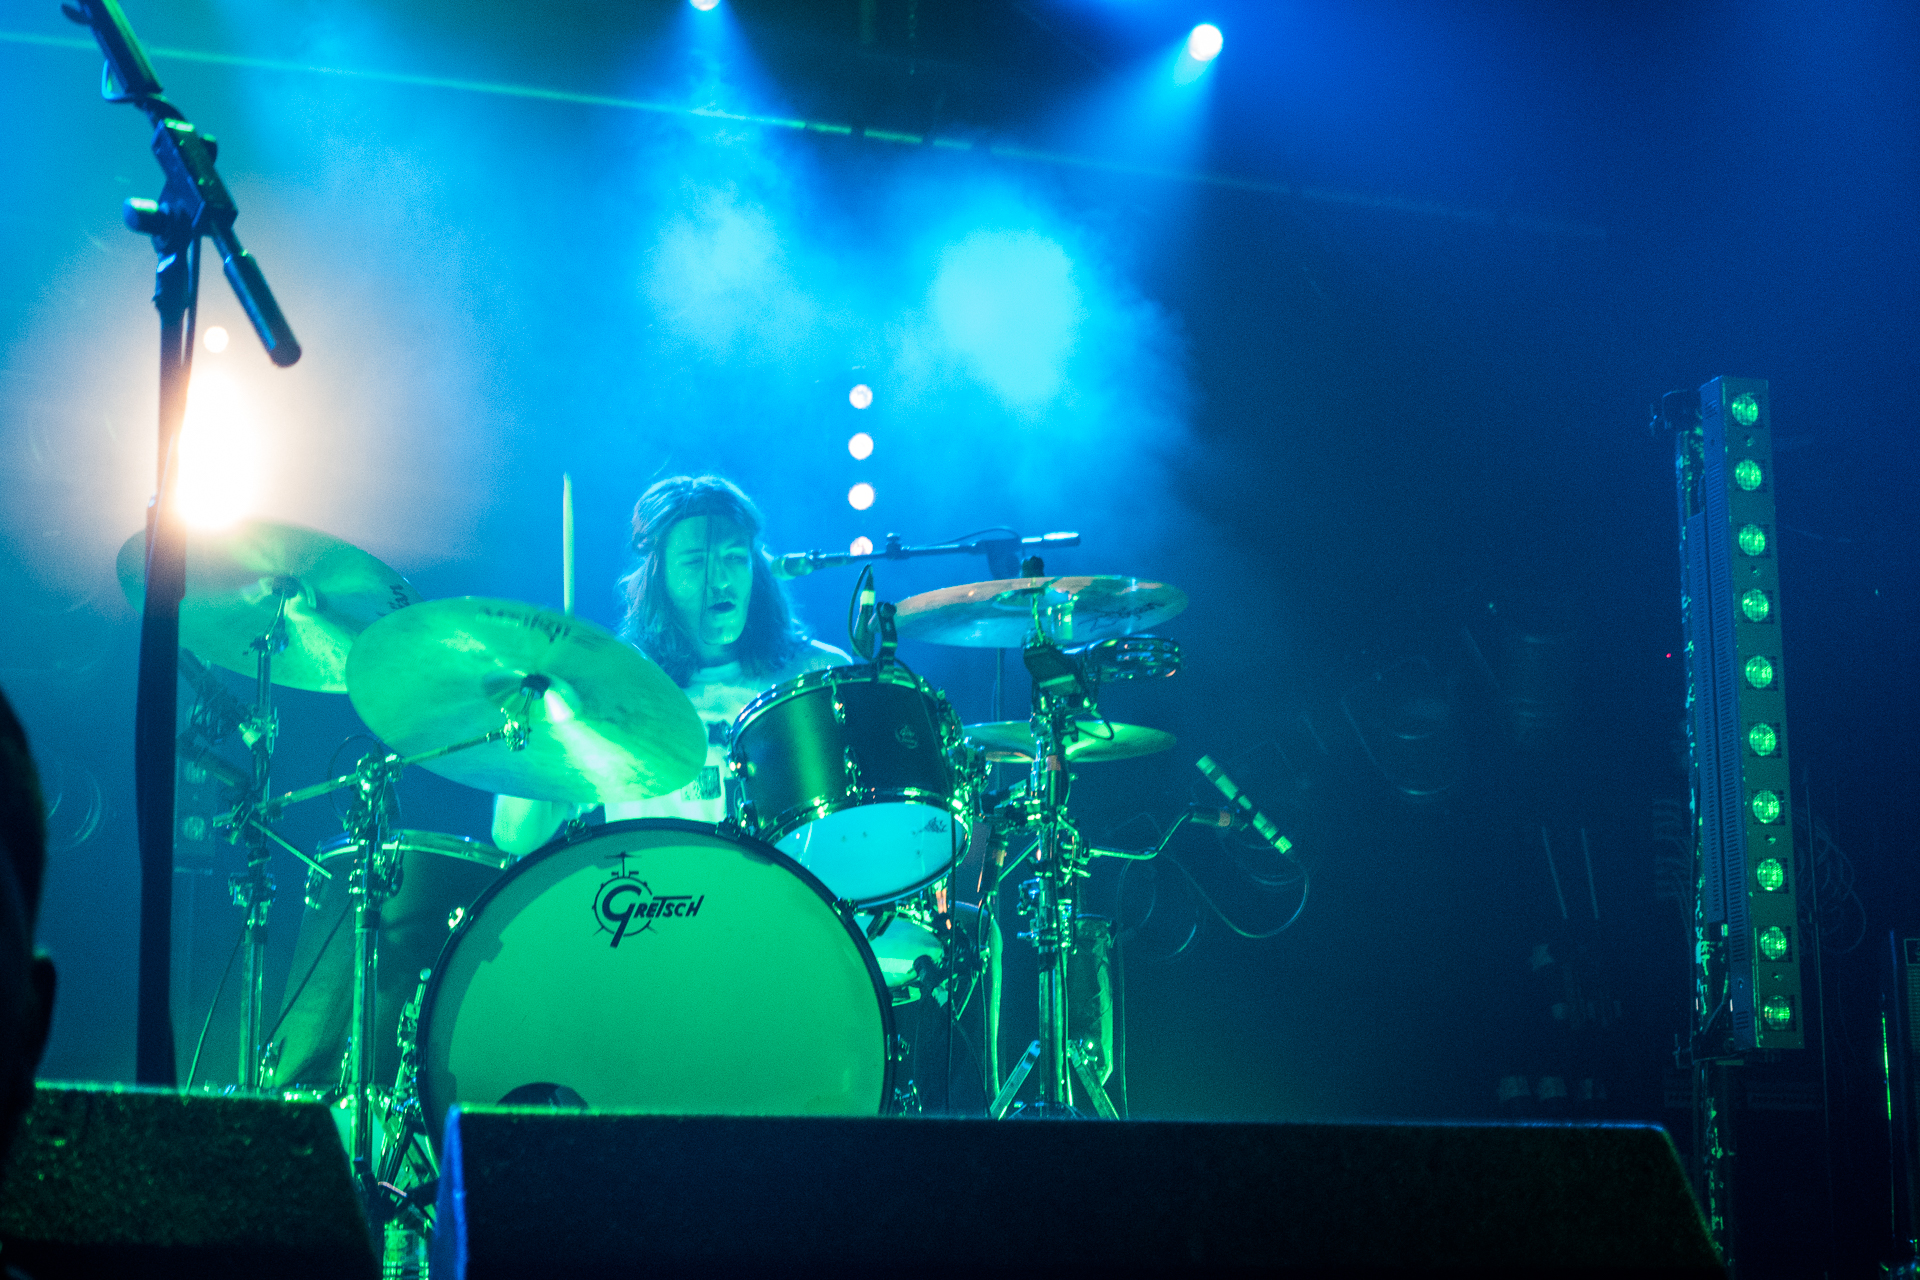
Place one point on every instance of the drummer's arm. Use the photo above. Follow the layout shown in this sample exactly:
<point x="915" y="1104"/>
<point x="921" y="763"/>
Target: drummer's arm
<point x="521" y="826"/>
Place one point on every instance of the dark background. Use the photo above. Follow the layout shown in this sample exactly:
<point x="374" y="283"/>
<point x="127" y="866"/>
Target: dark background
<point x="1366" y="369"/>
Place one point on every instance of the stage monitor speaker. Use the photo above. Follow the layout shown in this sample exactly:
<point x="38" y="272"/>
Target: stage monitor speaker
<point x="125" y="1182"/>
<point x="529" y="1193"/>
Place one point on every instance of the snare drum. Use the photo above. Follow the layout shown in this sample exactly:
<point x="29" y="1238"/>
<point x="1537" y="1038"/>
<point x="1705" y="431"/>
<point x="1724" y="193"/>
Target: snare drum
<point x="854" y="776"/>
<point x="660" y="966"/>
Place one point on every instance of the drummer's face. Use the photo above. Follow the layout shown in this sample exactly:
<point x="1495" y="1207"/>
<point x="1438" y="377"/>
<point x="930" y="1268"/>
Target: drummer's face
<point x="709" y="574"/>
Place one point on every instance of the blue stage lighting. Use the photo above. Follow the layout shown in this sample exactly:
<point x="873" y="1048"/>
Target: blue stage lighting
<point x="704" y="5"/>
<point x="1203" y="43"/>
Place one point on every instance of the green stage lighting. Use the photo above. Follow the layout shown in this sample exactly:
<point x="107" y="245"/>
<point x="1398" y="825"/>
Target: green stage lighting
<point x="1771" y="875"/>
<point x="1766" y="806"/>
<point x="1746" y="409"/>
<point x="1773" y="942"/>
<point x="1753" y="540"/>
<point x="1755" y="605"/>
<point x="1760" y="671"/>
<point x="1778" y="1011"/>
<point x="1747" y="474"/>
<point x="1763" y="739"/>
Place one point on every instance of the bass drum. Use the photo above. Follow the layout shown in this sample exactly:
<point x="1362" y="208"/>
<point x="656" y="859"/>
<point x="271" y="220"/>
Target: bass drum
<point x="660" y="966"/>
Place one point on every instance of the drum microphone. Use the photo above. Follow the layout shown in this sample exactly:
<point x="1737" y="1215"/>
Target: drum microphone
<point x="227" y="711"/>
<point x="1243" y="807"/>
<point x="795" y="564"/>
<point x="1225" y="819"/>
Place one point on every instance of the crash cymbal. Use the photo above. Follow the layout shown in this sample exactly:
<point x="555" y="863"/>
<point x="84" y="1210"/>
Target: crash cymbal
<point x="236" y="578"/>
<point x="603" y="722"/>
<point x="1000" y="614"/>
<point x="1088" y="741"/>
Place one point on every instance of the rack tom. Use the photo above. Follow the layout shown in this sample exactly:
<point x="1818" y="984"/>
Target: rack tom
<point x="858" y="776"/>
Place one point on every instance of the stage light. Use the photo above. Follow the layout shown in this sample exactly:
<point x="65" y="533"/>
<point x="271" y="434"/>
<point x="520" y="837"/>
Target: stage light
<point x="1771" y="876"/>
<point x="1753" y="540"/>
<point x="1203" y="45"/>
<point x="1778" y="1011"/>
<point x="1763" y="739"/>
<point x="221" y="459"/>
<point x="1746" y="409"/>
<point x="1766" y="807"/>
<point x="860" y="497"/>
<point x="861" y="396"/>
<point x="860" y="546"/>
<point x="1747" y="474"/>
<point x="704" y="5"/>
<point x="216" y="339"/>
<point x="1773" y="943"/>
<point x="1755" y="605"/>
<point x="1759" y="671"/>
<point x="860" y="445"/>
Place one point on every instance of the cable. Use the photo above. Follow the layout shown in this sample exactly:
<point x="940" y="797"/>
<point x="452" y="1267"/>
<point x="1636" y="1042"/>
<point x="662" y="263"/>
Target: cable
<point x="1306" y="883"/>
<point x="213" y="1005"/>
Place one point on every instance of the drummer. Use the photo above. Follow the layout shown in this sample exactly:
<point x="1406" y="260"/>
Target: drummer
<point x="703" y="604"/>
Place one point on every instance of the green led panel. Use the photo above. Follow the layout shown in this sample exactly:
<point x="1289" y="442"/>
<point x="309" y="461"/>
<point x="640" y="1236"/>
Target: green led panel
<point x="1753" y="540"/>
<point x="1746" y="409"/>
<point x="1766" y="806"/>
<point x="1771" y="875"/>
<point x="1762" y="739"/>
<point x="1778" y="1012"/>
<point x="1773" y="942"/>
<point x="1755" y="605"/>
<point x="1759" y="671"/>
<point x="1747" y="474"/>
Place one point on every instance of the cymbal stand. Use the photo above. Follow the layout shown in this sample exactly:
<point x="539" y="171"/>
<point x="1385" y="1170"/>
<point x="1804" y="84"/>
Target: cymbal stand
<point x="252" y="890"/>
<point x="1048" y="900"/>
<point x="376" y="878"/>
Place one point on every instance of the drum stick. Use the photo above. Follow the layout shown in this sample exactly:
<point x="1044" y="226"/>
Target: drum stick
<point x="566" y="542"/>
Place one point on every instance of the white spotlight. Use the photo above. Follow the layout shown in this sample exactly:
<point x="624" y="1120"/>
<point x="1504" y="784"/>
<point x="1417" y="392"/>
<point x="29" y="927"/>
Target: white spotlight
<point x="216" y="339"/>
<point x="704" y="5"/>
<point x="1204" y="42"/>
<point x="222" y="462"/>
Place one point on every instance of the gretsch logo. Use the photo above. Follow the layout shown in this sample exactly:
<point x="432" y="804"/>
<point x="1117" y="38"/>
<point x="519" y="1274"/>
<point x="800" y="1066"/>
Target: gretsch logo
<point x="626" y="905"/>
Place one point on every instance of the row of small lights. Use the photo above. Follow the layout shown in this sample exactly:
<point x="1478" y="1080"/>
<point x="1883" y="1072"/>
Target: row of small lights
<point x="860" y="445"/>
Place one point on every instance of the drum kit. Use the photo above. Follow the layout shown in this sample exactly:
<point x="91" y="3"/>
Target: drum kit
<point x="746" y="967"/>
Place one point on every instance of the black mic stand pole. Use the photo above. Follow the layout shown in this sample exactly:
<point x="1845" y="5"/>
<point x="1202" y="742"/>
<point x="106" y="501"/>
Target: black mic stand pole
<point x="194" y="203"/>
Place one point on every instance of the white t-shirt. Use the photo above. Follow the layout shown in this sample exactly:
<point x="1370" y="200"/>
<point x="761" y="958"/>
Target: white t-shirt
<point x="719" y="695"/>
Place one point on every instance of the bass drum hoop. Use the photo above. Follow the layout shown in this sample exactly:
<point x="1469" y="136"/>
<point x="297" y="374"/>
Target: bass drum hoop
<point x="750" y="845"/>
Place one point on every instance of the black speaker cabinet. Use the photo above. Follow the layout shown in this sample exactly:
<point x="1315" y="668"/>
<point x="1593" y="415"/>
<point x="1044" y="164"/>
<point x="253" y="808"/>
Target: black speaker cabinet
<point x="527" y="1193"/>
<point x="125" y="1182"/>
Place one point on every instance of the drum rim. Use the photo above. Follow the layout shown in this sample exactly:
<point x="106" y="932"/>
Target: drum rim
<point x="895" y="674"/>
<point x="408" y="840"/>
<point x="841" y="910"/>
<point x="813" y="812"/>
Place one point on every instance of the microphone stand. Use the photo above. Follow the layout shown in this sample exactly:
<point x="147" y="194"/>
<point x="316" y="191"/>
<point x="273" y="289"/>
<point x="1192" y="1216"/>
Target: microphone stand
<point x="193" y="204"/>
<point x="1003" y="554"/>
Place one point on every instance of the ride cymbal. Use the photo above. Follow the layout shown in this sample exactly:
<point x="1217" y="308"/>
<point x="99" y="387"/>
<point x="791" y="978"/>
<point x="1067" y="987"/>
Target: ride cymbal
<point x="237" y="578"/>
<point x="603" y="722"/>
<point x="1001" y="614"/>
<point x="1088" y="741"/>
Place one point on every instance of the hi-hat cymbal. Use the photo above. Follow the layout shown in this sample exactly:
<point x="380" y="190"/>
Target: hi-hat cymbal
<point x="1001" y="614"/>
<point x="1088" y="741"/>
<point x="603" y="722"/>
<point x="236" y="578"/>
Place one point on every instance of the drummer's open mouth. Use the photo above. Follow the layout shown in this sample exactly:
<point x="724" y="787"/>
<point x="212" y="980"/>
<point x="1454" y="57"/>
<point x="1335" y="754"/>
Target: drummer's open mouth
<point x="725" y="606"/>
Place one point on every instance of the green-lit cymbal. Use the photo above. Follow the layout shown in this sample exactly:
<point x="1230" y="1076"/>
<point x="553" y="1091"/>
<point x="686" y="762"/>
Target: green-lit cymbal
<point x="603" y="723"/>
<point x="236" y="579"/>
<point x="1003" y="614"/>
<point x="1088" y="741"/>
